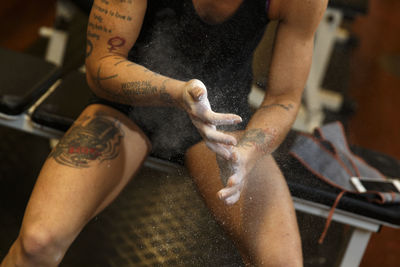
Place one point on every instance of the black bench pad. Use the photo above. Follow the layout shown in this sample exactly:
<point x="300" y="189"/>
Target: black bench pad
<point x="64" y="105"/>
<point x="24" y="79"/>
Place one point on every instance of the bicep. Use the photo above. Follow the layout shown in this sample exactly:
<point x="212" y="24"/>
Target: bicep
<point x="113" y="27"/>
<point x="293" y="48"/>
<point x="291" y="61"/>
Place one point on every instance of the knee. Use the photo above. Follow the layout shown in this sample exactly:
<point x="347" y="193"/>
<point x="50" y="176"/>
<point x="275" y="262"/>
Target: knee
<point x="285" y="257"/>
<point x="39" y="244"/>
<point x="288" y="261"/>
<point x="283" y="260"/>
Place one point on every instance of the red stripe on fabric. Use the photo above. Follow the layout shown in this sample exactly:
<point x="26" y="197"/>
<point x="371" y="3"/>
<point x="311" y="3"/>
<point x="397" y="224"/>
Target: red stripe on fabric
<point x="336" y="154"/>
<point x="382" y="196"/>
<point x="354" y="166"/>
<point x="329" y="218"/>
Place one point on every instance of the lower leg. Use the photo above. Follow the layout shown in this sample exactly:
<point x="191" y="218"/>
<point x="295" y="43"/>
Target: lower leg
<point x="269" y="228"/>
<point x="263" y="222"/>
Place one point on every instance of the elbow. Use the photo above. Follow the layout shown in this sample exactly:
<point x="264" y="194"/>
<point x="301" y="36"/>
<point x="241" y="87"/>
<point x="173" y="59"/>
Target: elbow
<point x="90" y="73"/>
<point x="289" y="97"/>
<point x="90" y="67"/>
<point x="90" y="81"/>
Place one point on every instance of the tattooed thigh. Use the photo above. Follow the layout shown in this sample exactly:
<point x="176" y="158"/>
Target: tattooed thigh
<point x="90" y="141"/>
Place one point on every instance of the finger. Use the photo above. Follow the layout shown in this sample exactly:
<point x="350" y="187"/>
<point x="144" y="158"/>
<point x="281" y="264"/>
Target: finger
<point x="233" y="199"/>
<point x="220" y="150"/>
<point x="234" y="180"/>
<point x="234" y="155"/>
<point x="218" y="137"/>
<point x="210" y="133"/>
<point x="216" y="119"/>
<point x="227" y="192"/>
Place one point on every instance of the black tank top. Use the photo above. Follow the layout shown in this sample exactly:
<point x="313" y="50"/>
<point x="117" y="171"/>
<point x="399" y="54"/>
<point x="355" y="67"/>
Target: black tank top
<point x="176" y="42"/>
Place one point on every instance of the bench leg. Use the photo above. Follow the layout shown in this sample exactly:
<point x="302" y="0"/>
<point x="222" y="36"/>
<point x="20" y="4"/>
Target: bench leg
<point x="355" y="248"/>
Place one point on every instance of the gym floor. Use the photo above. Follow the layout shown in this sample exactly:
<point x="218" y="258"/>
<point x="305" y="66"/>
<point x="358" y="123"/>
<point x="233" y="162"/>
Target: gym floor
<point x="152" y="222"/>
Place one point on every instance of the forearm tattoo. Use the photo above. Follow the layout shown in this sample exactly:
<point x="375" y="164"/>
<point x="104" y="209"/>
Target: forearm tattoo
<point x="286" y="107"/>
<point x="137" y="88"/>
<point x="164" y="95"/>
<point x="93" y="139"/>
<point x="132" y="90"/>
<point x="261" y="139"/>
<point x="145" y="88"/>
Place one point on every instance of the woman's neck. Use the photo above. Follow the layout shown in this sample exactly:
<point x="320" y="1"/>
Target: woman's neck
<point x="216" y="11"/>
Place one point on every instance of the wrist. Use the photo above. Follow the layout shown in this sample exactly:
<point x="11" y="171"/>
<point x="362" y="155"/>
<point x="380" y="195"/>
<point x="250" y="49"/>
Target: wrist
<point x="190" y="91"/>
<point x="171" y="92"/>
<point x="258" y="141"/>
<point x="179" y="94"/>
<point x="249" y="154"/>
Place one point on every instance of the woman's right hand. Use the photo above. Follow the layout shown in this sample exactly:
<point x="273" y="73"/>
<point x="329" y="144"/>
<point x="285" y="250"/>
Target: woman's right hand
<point x="195" y="102"/>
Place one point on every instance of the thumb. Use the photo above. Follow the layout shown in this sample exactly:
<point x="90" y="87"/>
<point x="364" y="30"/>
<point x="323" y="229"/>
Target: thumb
<point x="197" y="93"/>
<point x="222" y="118"/>
<point x="197" y="90"/>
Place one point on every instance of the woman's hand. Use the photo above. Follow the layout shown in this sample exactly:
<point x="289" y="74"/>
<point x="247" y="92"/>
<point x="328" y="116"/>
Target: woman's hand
<point x="233" y="173"/>
<point x="252" y="146"/>
<point x="195" y="103"/>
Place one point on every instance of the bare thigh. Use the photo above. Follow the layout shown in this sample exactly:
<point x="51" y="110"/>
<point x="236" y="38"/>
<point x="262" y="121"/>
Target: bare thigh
<point x="263" y="221"/>
<point x="91" y="164"/>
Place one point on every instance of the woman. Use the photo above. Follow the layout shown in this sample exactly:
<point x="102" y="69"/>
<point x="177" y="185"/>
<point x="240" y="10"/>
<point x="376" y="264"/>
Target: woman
<point x="167" y="74"/>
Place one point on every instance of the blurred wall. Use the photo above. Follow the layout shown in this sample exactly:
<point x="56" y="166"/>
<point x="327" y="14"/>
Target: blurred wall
<point x="20" y="21"/>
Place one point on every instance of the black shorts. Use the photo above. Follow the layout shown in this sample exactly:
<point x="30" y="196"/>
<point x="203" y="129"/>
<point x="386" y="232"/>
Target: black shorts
<point x="169" y="129"/>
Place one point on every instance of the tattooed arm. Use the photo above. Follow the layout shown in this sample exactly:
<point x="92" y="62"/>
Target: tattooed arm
<point x="290" y="65"/>
<point x="113" y="29"/>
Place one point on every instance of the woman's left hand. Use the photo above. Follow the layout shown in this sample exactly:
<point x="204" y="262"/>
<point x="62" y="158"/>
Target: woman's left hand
<point x="233" y="173"/>
<point x="251" y="147"/>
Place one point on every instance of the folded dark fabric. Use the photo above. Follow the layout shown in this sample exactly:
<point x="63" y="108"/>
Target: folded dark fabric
<point x="326" y="154"/>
